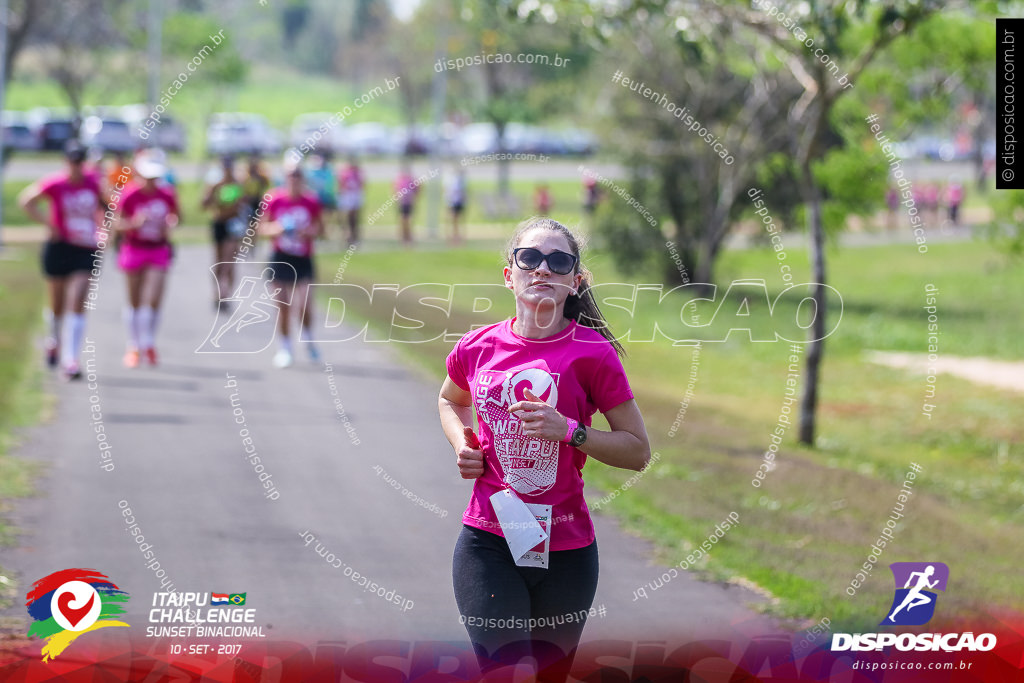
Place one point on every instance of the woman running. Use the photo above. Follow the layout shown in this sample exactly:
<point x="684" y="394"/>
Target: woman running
<point x="292" y="219"/>
<point x="254" y="186"/>
<point x="76" y="212"/>
<point x="351" y="199"/>
<point x="225" y="199"/>
<point x="149" y="212"/>
<point x="535" y="382"/>
<point x="321" y="181"/>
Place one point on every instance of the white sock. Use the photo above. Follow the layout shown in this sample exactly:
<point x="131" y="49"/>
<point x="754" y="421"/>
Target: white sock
<point x="53" y="324"/>
<point x="306" y="335"/>
<point x="74" y="335"/>
<point x="144" y="322"/>
<point x="131" y="322"/>
<point x="286" y="343"/>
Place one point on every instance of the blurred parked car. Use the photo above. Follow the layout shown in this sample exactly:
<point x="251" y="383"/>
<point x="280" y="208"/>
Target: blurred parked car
<point x="108" y="134"/>
<point x="52" y="127"/>
<point x="367" y="139"/>
<point x="306" y="126"/>
<point x="412" y="141"/>
<point x="17" y="131"/>
<point x="478" y="138"/>
<point x="577" y="142"/>
<point x="934" y="148"/>
<point x="167" y="134"/>
<point x="240" y="133"/>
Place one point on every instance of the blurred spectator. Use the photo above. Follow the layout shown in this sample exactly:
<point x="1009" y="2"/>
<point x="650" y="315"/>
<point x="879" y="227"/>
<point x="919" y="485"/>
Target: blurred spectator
<point x="591" y="194"/>
<point x="350" y="201"/>
<point x="892" y="200"/>
<point x="930" y="198"/>
<point x="406" y="189"/>
<point x="542" y="200"/>
<point x="456" y="201"/>
<point x="954" y="198"/>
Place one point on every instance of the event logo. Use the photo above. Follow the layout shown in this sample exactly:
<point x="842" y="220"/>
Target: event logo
<point x="253" y="305"/>
<point x="69" y="603"/>
<point x="914" y="603"/>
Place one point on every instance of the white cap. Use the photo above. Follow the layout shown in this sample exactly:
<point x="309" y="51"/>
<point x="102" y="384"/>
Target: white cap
<point x="150" y="168"/>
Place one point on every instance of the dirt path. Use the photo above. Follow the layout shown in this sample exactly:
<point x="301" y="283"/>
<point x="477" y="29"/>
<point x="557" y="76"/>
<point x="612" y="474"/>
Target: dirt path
<point x="996" y="373"/>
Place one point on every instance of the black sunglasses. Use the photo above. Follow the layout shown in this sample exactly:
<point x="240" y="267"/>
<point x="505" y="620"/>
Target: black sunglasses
<point x="559" y="262"/>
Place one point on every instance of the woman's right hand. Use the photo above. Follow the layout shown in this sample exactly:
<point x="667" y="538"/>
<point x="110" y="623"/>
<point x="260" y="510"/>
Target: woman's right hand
<point x="469" y="456"/>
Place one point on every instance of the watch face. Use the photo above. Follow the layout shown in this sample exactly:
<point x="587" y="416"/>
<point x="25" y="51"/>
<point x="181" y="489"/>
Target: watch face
<point x="579" y="436"/>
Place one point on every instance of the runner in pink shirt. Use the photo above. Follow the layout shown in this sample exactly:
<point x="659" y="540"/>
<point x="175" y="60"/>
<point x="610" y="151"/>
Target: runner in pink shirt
<point x="292" y="220"/>
<point x="149" y="212"/>
<point x="70" y="254"/>
<point x="535" y="381"/>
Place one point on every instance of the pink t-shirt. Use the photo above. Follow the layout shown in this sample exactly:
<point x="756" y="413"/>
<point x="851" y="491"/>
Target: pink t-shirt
<point x="73" y="207"/>
<point x="155" y="207"/>
<point x="406" y="189"/>
<point x="579" y="373"/>
<point x="350" y="180"/>
<point x="299" y="211"/>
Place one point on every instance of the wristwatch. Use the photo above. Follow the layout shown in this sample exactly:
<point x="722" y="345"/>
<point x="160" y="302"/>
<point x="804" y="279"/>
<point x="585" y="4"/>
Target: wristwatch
<point x="576" y="433"/>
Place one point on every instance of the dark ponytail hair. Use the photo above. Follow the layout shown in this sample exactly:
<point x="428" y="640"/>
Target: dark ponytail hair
<point x="581" y="307"/>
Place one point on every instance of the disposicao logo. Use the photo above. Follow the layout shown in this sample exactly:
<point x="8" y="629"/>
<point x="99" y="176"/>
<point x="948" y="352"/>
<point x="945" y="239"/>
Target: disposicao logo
<point x="918" y="579"/>
<point x="913" y="604"/>
<point x="69" y="603"/>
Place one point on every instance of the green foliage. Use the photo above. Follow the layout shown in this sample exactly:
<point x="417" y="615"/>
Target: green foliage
<point x="186" y="34"/>
<point x="621" y="230"/>
<point x="1007" y="228"/>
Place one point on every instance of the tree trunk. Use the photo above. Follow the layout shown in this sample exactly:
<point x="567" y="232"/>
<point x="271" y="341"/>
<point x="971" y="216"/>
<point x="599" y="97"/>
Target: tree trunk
<point x="815" y="349"/>
<point x="503" y="162"/>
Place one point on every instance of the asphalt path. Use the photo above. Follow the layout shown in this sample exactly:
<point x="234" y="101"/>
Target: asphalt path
<point x="179" y="465"/>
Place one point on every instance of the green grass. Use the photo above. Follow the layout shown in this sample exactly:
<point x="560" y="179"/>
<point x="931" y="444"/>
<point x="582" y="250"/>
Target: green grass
<point x="21" y="400"/>
<point x="804" y="534"/>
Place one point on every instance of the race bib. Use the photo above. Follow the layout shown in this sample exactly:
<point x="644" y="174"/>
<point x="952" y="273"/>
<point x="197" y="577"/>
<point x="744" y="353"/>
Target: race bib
<point x="519" y="524"/>
<point x="537" y="556"/>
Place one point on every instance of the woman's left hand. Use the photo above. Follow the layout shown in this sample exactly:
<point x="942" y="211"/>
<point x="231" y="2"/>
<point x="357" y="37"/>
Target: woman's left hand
<point x="540" y="420"/>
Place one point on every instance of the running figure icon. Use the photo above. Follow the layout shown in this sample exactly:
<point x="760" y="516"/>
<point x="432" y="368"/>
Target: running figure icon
<point x="252" y="309"/>
<point x="915" y="597"/>
<point x="254" y="302"/>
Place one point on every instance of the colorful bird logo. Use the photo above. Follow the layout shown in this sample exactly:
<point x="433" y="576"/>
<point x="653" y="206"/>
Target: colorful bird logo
<point x="68" y="603"/>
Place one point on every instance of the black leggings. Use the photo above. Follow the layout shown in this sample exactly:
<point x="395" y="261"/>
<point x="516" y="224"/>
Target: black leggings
<point x="497" y="601"/>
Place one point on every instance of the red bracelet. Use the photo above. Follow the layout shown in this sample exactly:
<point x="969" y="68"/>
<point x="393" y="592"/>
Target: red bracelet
<point x="573" y="424"/>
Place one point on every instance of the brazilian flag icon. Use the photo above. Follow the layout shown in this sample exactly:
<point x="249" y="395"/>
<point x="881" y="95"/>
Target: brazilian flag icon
<point x="237" y="598"/>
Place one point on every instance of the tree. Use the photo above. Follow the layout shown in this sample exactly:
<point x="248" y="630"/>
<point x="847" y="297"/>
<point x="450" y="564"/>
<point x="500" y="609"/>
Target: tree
<point x="852" y="33"/>
<point x="187" y="34"/>
<point x="694" y="127"/>
<point x="83" y="37"/>
<point x="504" y="91"/>
<point x="22" y="19"/>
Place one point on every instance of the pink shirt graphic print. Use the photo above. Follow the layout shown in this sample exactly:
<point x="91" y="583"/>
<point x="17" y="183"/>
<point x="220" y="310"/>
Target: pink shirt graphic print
<point x="578" y="372"/>
<point x="530" y="465"/>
